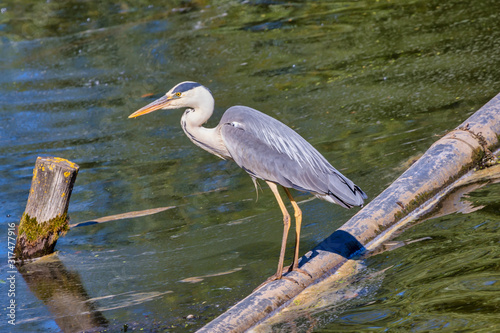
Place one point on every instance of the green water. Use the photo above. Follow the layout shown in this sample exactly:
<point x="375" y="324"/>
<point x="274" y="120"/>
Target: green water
<point x="368" y="83"/>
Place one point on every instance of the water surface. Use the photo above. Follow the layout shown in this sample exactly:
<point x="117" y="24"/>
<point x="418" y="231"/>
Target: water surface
<point x="369" y="83"/>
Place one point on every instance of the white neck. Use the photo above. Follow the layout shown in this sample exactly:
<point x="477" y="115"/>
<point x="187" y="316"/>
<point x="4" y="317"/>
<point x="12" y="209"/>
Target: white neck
<point x="207" y="138"/>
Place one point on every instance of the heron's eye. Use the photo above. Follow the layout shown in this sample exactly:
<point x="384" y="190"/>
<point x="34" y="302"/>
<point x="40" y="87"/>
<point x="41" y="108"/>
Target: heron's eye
<point x="178" y="94"/>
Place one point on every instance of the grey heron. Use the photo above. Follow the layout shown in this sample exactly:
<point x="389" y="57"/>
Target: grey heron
<point x="265" y="148"/>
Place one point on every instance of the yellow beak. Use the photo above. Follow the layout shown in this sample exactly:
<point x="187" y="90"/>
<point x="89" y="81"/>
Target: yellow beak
<point x="160" y="103"/>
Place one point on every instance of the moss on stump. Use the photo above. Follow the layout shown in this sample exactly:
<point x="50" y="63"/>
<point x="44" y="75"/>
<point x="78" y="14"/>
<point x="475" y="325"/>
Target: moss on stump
<point x="45" y="217"/>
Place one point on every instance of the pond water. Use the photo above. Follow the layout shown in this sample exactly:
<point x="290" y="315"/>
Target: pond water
<point x="369" y="83"/>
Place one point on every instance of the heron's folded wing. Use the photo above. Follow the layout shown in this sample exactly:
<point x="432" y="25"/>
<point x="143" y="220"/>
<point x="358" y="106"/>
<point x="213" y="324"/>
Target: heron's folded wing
<point x="270" y="150"/>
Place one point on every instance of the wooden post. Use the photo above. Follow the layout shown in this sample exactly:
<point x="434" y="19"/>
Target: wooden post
<point x="45" y="217"/>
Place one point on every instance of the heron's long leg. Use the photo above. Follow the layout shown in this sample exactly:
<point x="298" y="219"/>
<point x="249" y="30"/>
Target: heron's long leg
<point x="298" y="224"/>
<point x="286" y="227"/>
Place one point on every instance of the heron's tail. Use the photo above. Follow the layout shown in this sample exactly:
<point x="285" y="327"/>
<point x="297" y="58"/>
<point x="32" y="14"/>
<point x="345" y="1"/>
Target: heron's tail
<point x="343" y="192"/>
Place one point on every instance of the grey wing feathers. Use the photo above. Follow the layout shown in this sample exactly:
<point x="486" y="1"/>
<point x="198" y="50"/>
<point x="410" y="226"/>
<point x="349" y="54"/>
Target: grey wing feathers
<point x="270" y="150"/>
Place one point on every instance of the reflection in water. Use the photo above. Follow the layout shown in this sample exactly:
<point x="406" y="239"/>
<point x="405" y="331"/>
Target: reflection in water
<point x="350" y="286"/>
<point x="62" y="292"/>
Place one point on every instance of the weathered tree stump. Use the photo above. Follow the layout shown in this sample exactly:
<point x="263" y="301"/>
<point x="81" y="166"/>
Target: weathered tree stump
<point x="45" y="217"/>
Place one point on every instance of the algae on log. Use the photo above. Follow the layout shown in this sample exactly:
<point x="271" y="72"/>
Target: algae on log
<point x="45" y="217"/>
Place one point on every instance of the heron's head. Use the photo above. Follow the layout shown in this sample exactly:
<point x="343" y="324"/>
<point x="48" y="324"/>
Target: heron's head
<point x="184" y="95"/>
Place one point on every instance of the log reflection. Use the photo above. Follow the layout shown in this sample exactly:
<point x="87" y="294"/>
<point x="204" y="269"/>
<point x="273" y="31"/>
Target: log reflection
<point x="63" y="294"/>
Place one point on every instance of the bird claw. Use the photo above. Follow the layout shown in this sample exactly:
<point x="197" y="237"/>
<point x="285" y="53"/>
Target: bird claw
<point x="291" y="268"/>
<point x="276" y="277"/>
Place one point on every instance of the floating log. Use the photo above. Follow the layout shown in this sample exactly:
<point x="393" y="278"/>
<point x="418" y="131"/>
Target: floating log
<point x="45" y="216"/>
<point x="446" y="160"/>
<point x="129" y="215"/>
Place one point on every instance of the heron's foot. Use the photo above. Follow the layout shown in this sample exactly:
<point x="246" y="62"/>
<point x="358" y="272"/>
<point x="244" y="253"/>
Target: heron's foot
<point x="295" y="268"/>
<point x="274" y="278"/>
